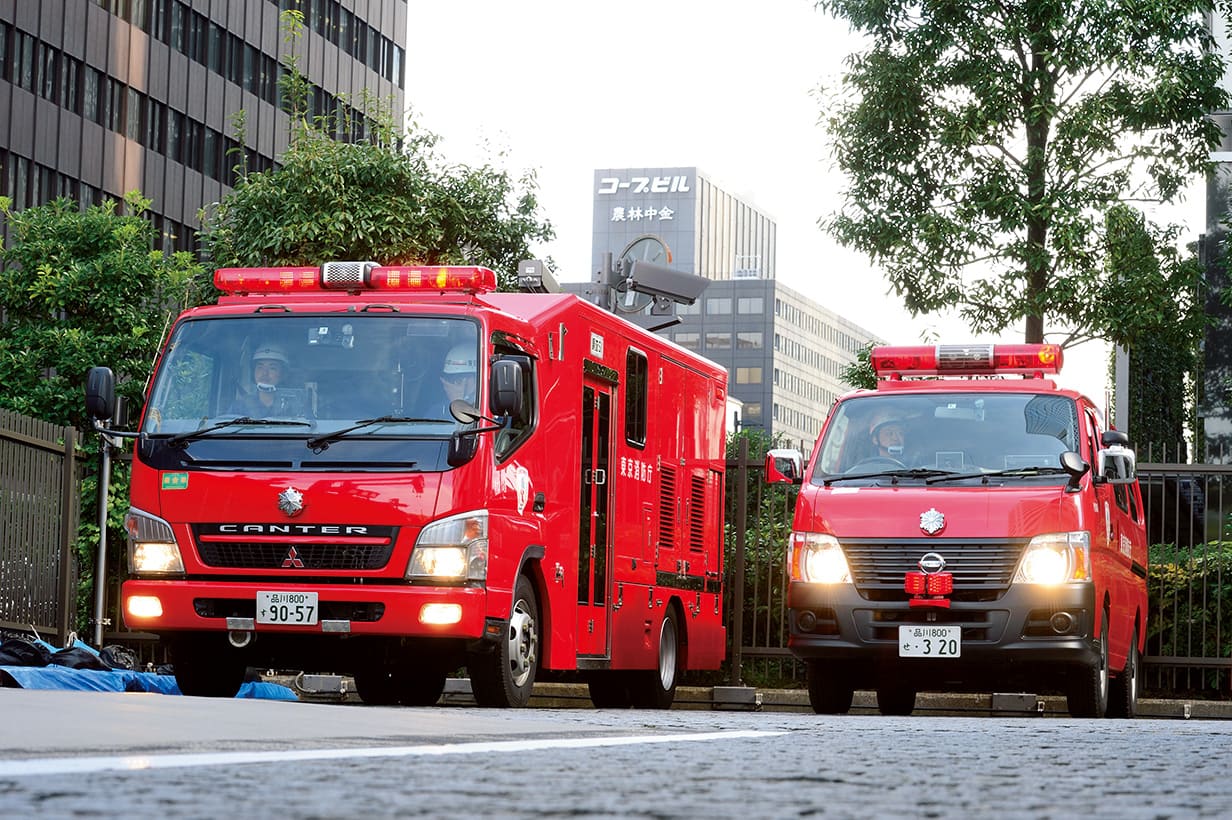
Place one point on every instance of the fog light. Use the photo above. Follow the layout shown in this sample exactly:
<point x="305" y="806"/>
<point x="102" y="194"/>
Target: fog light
<point x="440" y="614"/>
<point x="807" y="621"/>
<point x="144" y="606"/>
<point x="1061" y="622"/>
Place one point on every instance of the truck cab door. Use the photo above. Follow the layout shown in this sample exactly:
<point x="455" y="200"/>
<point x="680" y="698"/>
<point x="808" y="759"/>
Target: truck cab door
<point x="594" y="530"/>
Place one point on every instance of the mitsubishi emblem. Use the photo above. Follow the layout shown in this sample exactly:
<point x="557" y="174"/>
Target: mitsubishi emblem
<point x="291" y="502"/>
<point x="932" y="521"/>
<point x="293" y="559"/>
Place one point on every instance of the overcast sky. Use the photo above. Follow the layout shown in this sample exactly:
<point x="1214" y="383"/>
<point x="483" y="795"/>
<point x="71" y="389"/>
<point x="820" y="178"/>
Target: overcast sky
<point x="566" y="86"/>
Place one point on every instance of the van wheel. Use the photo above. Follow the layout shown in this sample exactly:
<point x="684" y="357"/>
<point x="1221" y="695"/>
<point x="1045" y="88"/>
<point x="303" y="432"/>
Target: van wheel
<point x="656" y="689"/>
<point x="830" y="690"/>
<point x="1123" y="694"/>
<point x="895" y="700"/>
<point x="504" y="676"/>
<point x="1088" y="685"/>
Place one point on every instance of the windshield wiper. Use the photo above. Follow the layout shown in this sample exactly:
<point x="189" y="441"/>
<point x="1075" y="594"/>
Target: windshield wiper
<point x="241" y="421"/>
<point x="319" y="443"/>
<point x="909" y="472"/>
<point x="1034" y="470"/>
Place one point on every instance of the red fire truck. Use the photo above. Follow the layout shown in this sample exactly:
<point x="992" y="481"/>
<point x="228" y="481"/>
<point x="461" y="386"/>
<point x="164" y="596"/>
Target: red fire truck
<point x="394" y="472"/>
<point x="965" y="525"/>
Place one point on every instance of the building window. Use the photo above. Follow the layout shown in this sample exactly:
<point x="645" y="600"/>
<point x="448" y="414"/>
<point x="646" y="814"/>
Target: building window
<point x="637" y="370"/>
<point x="718" y="341"/>
<point x="750" y="304"/>
<point x="749" y="340"/>
<point x="752" y="409"/>
<point x="718" y="306"/>
<point x="683" y="309"/>
<point x="748" y="375"/>
<point x="690" y="341"/>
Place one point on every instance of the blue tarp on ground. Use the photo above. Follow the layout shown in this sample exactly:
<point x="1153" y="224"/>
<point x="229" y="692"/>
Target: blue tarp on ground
<point x="121" y="680"/>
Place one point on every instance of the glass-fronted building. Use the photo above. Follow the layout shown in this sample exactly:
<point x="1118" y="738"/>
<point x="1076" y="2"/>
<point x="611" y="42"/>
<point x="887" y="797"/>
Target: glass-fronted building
<point x="103" y="97"/>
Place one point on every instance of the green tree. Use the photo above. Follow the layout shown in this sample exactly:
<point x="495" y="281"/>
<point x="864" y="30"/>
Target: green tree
<point x="78" y="289"/>
<point x="388" y="198"/>
<point x="860" y="373"/>
<point x="983" y="141"/>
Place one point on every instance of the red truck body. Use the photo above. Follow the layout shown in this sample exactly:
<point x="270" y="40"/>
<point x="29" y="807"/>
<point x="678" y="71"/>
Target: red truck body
<point x="571" y="521"/>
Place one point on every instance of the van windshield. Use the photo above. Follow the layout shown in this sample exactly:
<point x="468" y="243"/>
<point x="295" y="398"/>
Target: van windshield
<point x="926" y="435"/>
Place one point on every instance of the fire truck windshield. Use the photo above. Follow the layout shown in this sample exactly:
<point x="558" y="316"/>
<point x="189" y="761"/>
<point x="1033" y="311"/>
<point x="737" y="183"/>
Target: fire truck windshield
<point x="288" y="378"/>
<point x="948" y="436"/>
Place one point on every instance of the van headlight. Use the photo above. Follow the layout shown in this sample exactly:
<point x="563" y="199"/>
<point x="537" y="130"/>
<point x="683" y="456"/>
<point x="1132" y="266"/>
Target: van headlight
<point x="151" y="545"/>
<point x="1056" y="558"/>
<point x="817" y="558"/>
<point x="452" y="549"/>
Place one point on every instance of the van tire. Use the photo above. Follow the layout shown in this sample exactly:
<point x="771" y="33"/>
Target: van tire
<point x="504" y="676"/>
<point x="656" y="688"/>
<point x="830" y="689"/>
<point x="1123" y="691"/>
<point x="1089" y="685"/>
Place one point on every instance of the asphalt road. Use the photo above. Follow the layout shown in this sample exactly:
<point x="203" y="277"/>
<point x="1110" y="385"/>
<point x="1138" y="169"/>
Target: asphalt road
<point x="143" y="755"/>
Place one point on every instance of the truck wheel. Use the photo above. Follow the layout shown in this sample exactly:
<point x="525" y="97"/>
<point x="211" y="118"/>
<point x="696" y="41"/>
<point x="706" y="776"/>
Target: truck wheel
<point x="609" y="690"/>
<point x="1088" y="685"/>
<point x="203" y="670"/>
<point x="1123" y="692"/>
<point x="504" y="677"/>
<point x="895" y="700"/>
<point x="830" y="690"/>
<point x="656" y="689"/>
<point x="386" y="686"/>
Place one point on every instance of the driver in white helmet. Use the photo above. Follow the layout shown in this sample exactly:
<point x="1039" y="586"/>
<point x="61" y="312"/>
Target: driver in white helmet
<point x="459" y="376"/>
<point x="889" y="435"/>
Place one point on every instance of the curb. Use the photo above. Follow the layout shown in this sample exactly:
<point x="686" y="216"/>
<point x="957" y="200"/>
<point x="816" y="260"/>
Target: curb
<point x="339" y="689"/>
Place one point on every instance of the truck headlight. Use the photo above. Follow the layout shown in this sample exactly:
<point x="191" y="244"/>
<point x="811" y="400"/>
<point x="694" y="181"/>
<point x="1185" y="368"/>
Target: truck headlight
<point x="452" y="549"/>
<point x="817" y="558"/>
<point x="151" y="545"/>
<point x="1056" y="558"/>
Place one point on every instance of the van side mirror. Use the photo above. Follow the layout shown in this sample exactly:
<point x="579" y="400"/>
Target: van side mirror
<point x="505" y="383"/>
<point x="784" y="467"/>
<point x="1117" y="464"/>
<point x="100" y="393"/>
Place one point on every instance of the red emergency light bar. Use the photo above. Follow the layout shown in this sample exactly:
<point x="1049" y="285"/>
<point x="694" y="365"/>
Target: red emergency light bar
<point x="966" y="360"/>
<point x="356" y="276"/>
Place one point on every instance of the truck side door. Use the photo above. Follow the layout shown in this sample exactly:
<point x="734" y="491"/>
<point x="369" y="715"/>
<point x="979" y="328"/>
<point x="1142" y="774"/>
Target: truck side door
<point x="594" y="530"/>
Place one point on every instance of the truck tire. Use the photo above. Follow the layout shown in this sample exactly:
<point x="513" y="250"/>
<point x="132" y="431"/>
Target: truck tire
<point x="504" y="676"/>
<point x="830" y="690"/>
<point x="205" y="670"/>
<point x="386" y="686"/>
<point x="894" y="699"/>
<point x="656" y="689"/>
<point x="1088" y="685"/>
<point x="609" y="689"/>
<point x="1123" y="690"/>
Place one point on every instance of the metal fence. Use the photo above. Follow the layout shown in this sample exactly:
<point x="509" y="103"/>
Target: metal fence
<point x="38" y="524"/>
<point x="1188" y="509"/>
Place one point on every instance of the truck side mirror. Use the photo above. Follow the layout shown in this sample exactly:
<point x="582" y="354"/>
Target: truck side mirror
<point x="100" y="393"/>
<point x="505" y="382"/>
<point x="784" y="467"/>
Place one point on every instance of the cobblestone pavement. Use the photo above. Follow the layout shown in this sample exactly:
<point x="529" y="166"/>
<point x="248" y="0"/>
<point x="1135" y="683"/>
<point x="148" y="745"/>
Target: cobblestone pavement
<point x="793" y="764"/>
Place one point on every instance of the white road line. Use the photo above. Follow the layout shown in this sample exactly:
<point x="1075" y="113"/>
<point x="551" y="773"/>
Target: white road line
<point x="79" y="765"/>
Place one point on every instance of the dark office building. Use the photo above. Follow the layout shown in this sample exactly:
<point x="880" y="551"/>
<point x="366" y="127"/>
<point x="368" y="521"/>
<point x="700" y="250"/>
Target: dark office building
<point x="102" y="97"/>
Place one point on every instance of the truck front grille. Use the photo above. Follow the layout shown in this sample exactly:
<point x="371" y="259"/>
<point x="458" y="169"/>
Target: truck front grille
<point x="288" y="552"/>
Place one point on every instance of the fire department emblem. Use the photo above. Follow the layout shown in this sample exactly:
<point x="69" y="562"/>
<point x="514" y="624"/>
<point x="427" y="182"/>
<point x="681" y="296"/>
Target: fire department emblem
<point x="291" y="502"/>
<point x="931" y="521"/>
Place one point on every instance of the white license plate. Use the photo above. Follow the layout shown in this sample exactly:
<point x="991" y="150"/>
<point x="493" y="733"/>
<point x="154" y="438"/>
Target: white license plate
<point x="930" y="641"/>
<point x="294" y="608"/>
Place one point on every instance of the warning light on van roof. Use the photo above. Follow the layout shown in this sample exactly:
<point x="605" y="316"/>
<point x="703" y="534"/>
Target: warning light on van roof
<point x="967" y="360"/>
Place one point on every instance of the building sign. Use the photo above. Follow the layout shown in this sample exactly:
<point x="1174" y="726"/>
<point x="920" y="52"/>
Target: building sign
<point x="678" y="184"/>
<point x="623" y="214"/>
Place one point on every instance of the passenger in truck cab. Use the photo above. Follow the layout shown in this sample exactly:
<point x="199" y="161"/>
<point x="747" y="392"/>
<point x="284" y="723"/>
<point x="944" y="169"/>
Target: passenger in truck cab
<point x="889" y="435"/>
<point x="267" y="394"/>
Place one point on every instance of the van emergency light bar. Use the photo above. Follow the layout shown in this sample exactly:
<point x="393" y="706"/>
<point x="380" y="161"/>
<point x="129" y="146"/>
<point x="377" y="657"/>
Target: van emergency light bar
<point x="355" y="276"/>
<point x="966" y="360"/>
